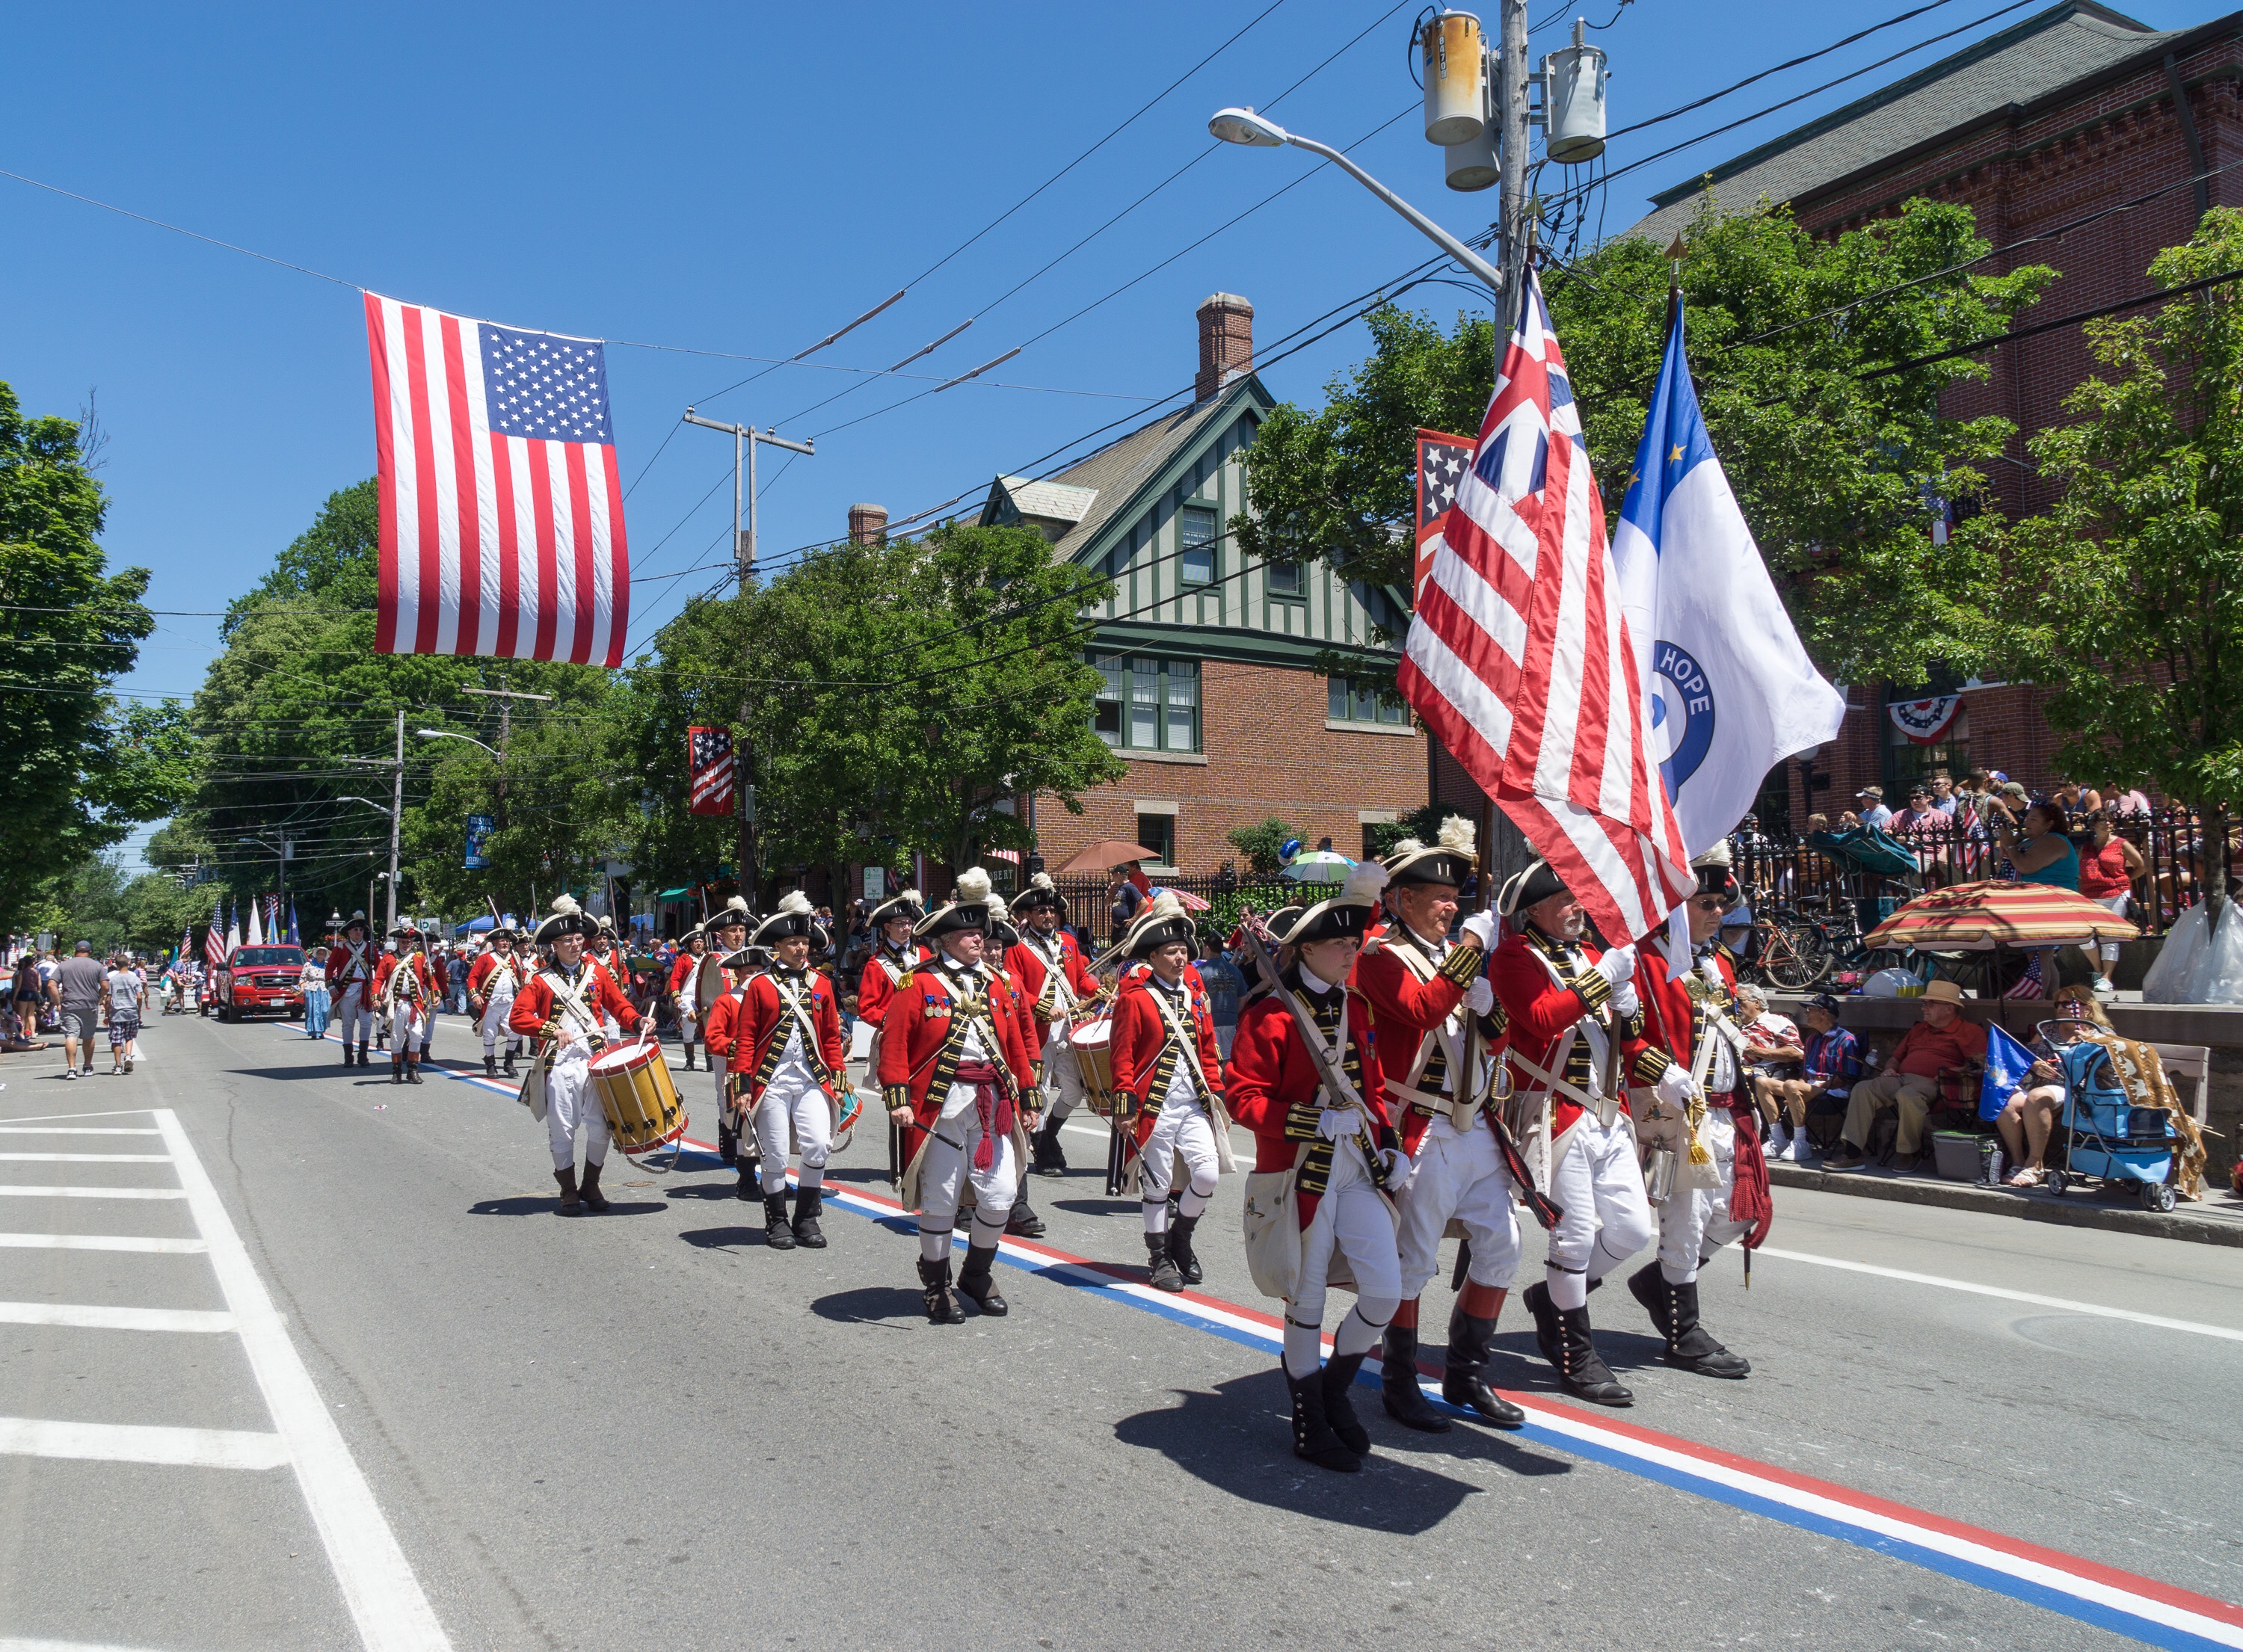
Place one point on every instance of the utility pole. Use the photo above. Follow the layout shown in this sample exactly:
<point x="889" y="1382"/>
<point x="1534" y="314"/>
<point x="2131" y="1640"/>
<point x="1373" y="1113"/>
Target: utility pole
<point x="396" y="814"/>
<point x="745" y="437"/>
<point x="505" y="697"/>
<point x="1511" y="112"/>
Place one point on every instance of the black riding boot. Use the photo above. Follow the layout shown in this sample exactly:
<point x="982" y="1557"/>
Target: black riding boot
<point x="808" y="1202"/>
<point x="728" y="1143"/>
<point x="412" y="1070"/>
<point x="491" y="1067"/>
<point x="1180" y="1252"/>
<point x="1160" y="1270"/>
<point x="751" y="1184"/>
<point x="1547" y="1332"/>
<point x="1581" y="1373"/>
<point x="594" y="1199"/>
<point x="571" y="1205"/>
<point x="1463" y="1378"/>
<point x="347" y="1052"/>
<point x="973" y="1281"/>
<point x="1674" y="1309"/>
<point x="1021" y="1222"/>
<point x="1339" y="1409"/>
<point x="397" y="1070"/>
<point x="1397" y="1383"/>
<point x="934" y="1289"/>
<point x="1048" y="1161"/>
<point x="1313" y="1438"/>
<point x="508" y="1068"/>
<point x="777" y="1233"/>
<point x="689" y="1057"/>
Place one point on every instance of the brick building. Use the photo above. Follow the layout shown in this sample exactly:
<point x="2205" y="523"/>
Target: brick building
<point x="2073" y="110"/>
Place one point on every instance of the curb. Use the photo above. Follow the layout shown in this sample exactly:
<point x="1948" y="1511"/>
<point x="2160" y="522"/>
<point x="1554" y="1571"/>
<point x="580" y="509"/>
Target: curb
<point x="2074" y="1211"/>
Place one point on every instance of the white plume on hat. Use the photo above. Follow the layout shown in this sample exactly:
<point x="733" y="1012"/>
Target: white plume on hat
<point x="1459" y="833"/>
<point x="736" y="905"/>
<point x="1364" y="880"/>
<point x="1042" y="881"/>
<point x="1717" y="855"/>
<point x="1407" y="846"/>
<point x="997" y="907"/>
<point x="1165" y="904"/>
<point x="913" y="897"/>
<point x="973" y="887"/>
<point x="566" y="903"/>
<point x="794" y="901"/>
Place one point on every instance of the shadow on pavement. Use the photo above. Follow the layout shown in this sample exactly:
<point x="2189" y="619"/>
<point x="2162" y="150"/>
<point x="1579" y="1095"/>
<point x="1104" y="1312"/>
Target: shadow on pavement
<point x="724" y="1239"/>
<point x="706" y="1190"/>
<point x="325" y="1070"/>
<point x="871" y="1305"/>
<point x="1097" y="1207"/>
<point x="527" y="1205"/>
<point x="1238" y="1439"/>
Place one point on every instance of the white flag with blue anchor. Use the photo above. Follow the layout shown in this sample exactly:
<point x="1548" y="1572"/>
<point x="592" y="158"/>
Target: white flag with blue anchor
<point x="1733" y="691"/>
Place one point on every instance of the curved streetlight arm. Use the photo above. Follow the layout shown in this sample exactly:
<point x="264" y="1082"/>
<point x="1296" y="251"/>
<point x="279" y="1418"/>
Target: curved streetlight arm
<point x="445" y="734"/>
<point x="1448" y="242"/>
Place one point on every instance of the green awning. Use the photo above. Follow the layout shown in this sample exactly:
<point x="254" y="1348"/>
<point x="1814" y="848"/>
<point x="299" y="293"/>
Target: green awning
<point x="674" y="895"/>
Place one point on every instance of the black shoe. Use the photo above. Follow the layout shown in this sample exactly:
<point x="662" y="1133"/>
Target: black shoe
<point x="973" y="1281"/>
<point x="1339" y="1410"/>
<point x="776" y="1234"/>
<point x="808" y="1202"/>
<point x="1048" y="1161"/>
<point x="1580" y="1372"/>
<point x="1397" y="1384"/>
<point x="1313" y="1438"/>
<point x="934" y="1290"/>
<point x="491" y="1067"/>
<point x="412" y="1072"/>
<point x="1689" y="1346"/>
<point x="1464" y="1377"/>
<point x="728" y="1144"/>
<point x="1161" y="1271"/>
<point x="1021" y="1222"/>
<point x="571" y="1205"/>
<point x="1547" y="1334"/>
<point x="689" y="1057"/>
<point x="1180" y="1252"/>
<point x="594" y="1199"/>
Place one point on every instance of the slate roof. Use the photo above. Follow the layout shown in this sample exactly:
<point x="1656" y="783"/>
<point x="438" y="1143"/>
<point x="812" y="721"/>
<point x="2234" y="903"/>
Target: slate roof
<point x="2043" y="55"/>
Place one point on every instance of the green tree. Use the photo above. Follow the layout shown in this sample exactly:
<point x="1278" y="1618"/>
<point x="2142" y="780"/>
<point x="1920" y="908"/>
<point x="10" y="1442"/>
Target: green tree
<point x="2124" y="599"/>
<point x="1260" y="844"/>
<point x="1838" y="471"/>
<point x="75" y="770"/>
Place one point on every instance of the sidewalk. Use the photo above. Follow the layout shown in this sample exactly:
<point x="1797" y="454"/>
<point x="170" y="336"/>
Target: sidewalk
<point x="2218" y="1220"/>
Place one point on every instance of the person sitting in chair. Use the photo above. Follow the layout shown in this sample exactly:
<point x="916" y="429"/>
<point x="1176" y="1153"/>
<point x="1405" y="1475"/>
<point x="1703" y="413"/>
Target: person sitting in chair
<point x="1910" y="1084"/>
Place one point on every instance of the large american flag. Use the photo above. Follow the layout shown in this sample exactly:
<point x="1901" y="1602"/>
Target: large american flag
<point x="1518" y="659"/>
<point x="502" y="515"/>
<point x="709" y="760"/>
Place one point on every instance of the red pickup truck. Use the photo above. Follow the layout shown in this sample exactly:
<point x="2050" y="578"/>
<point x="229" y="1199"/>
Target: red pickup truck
<point x="260" y="980"/>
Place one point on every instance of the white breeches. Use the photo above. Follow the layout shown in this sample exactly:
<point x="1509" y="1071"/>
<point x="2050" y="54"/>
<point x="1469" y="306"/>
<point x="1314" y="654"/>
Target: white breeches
<point x="1693" y="1226"/>
<point x="1599" y="1186"/>
<point x="1352" y="1221"/>
<point x="1063" y="1086"/>
<point x="354" y="1014"/>
<point x="492" y="1025"/>
<point x="569" y="1101"/>
<point x="1460" y="1177"/>
<point x="1180" y="1130"/>
<point x="792" y="1101"/>
<point x="943" y="1175"/>
<point x="689" y="1029"/>
<point x="410" y="1024"/>
<point x="717" y="1067"/>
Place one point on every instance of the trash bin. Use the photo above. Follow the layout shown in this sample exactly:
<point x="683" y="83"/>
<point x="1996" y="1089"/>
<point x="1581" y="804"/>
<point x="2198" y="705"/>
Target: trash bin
<point x="1955" y="1153"/>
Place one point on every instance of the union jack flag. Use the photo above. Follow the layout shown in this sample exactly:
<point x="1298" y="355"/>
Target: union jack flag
<point x="1520" y="660"/>
<point x="709" y="760"/>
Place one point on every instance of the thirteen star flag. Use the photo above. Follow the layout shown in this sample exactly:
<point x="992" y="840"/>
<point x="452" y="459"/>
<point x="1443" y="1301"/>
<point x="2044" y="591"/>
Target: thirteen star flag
<point x="1733" y="692"/>
<point x="1442" y="461"/>
<point x="501" y="513"/>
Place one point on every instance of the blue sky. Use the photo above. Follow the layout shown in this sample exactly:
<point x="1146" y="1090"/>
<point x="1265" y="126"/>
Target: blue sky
<point x="734" y="180"/>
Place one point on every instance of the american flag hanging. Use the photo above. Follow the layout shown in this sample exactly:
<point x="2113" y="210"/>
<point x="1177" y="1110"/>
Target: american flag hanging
<point x="1518" y="659"/>
<point x="709" y="760"/>
<point x="501" y="512"/>
<point x="1441" y="463"/>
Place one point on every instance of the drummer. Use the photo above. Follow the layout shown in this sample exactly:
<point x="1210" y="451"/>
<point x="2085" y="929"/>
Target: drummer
<point x="563" y="1006"/>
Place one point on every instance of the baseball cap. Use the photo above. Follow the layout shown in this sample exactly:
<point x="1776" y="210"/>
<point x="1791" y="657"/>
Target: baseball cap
<point x="1877" y="792"/>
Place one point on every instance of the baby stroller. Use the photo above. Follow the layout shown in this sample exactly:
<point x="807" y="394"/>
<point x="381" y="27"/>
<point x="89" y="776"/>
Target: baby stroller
<point x="2103" y="1136"/>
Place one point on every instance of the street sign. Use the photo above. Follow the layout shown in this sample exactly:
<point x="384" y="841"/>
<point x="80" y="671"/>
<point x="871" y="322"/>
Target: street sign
<point x="876" y="884"/>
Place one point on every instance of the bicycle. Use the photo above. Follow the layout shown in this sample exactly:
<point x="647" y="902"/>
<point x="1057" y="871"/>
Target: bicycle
<point x="1790" y="950"/>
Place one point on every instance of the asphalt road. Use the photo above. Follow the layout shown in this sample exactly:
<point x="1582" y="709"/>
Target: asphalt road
<point x="462" y="1421"/>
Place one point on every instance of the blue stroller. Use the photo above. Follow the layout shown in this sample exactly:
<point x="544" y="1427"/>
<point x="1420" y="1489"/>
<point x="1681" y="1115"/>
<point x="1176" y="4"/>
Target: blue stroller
<point x="2104" y="1135"/>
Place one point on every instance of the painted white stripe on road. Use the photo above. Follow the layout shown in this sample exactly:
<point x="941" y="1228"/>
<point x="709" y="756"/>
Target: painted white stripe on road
<point x="2063" y="1304"/>
<point x="385" y="1599"/>
<point x="12" y="1643"/>
<point x="70" y="1129"/>
<point x="88" y="1316"/>
<point x="85" y="1158"/>
<point x="134" y="1443"/>
<point x="7" y="1191"/>
<point x="104" y="1112"/>
<point x="98" y="1242"/>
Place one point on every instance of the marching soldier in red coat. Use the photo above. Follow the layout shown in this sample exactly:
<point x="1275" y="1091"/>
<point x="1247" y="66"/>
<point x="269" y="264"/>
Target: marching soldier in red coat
<point x="1057" y="984"/>
<point x="492" y="980"/>
<point x="351" y="969"/>
<point x="895" y="955"/>
<point x="1564" y="1002"/>
<point x="1425" y="994"/>
<point x="955" y="1074"/>
<point x="406" y="988"/>
<point x="1333" y="1139"/>
<point x="565" y="1006"/>
<point x="783" y="1045"/>
<point x="1693" y="1107"/>
<point x="1002" y="943"/>
<point x="685" y="977"/>
<point x="727" y="934"/>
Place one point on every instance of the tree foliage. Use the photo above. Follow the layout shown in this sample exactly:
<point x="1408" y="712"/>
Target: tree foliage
<point x="1839" y="473"/>
<point x="1261" y="844"/>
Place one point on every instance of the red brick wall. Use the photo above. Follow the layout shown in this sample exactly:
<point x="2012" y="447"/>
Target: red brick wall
<point x="1267" y="753"/>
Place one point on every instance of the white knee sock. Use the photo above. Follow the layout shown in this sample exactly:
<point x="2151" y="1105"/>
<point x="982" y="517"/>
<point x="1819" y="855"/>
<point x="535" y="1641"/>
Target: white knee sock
<point x="1304" y="1349"/>
<point x="933" y="1247"/>
<point x="1360" y="1331"/>
<point x="1156" y="1214"/>
<point x="1194" y="1200"/>
<point x="1568" y="1290"/>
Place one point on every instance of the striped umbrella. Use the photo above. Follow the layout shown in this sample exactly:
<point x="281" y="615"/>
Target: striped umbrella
<point x="1977" y="918"/>
<point x="1190" y="902"/>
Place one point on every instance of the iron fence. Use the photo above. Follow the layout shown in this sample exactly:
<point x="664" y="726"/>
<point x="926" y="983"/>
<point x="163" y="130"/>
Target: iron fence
<point x="1089" y="906"/>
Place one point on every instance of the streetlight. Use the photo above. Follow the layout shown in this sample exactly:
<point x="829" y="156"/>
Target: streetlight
<point x="445" y="734"/>
<point x="1259" y="131"/>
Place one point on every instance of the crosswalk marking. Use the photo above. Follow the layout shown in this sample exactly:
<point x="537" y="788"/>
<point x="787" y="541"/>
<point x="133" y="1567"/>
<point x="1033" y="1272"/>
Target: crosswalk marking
<point x="138" y="1443"/>
<point x="92" y="1193"/>
<point x="86" y="1316"/>
<point x="98" y="1242"/>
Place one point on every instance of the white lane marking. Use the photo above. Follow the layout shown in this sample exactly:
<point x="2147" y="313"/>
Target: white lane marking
<point x="89" y="1316"/>
<point x="85" y="1158"/>
<point x="2064" y="1303"/>
<point x="13" y="1643"/>
<point x="138" y="1443"/>
<point x="385" y="1599"/>
<point x="106" y="1112"/>
<point x="9" y="1191"/>
<point x="98" y="1242"/>
<point x="67" y="1129"/>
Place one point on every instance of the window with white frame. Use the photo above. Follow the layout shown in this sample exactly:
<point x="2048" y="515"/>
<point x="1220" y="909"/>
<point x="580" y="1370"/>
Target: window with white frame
<point x="1196" y="535"/>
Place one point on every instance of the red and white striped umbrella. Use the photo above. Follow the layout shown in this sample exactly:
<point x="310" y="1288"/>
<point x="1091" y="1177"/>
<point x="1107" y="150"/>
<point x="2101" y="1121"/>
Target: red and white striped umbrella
<point x="1977" y="918"/>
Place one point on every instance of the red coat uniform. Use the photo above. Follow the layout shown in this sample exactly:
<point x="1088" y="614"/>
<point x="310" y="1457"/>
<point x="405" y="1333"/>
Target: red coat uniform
<point x="391" y="963"/>
<point x="1538" y="1011"/>
<point x="683" y="967"/>
<point x="339" y="967"/>
<point x="920" y="1037"/>
<point x="1039" y="979"/>
<point x="1405" y="1013"/>
<point x="754" y="1029"/>
<point x="1675" y="1024"/>
<point x="1275" y="1088"/>
<point x="480" y="974"/>
<point x="533" y="1005"/>
<point x="1146" y="1055"/>
<point x="884" y="972"/>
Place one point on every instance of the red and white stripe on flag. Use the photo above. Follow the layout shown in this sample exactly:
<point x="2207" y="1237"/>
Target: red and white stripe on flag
<point x="1520" y="660"/>
<point x="710" y="766"/>
<point x="501" y="512"/>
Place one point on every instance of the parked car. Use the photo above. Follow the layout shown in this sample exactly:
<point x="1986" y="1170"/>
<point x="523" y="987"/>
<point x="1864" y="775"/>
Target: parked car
<point x="260" y="980"/>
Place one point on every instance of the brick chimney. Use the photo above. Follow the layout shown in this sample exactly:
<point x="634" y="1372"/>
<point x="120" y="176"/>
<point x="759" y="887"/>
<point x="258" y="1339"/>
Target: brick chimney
<point x="868" y="524"/>
<point x="1226" y="343"/>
